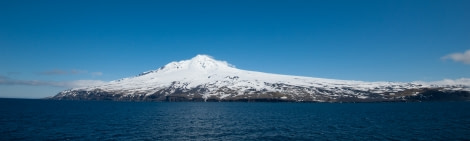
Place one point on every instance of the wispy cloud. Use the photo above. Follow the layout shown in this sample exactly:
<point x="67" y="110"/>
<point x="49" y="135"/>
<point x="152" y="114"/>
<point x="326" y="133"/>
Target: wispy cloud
<point x="96" y="73"/>
<point x="2" y="78"/>
<point x="69" y="72"/>
<point x="66" y="84"/>
<point x="80" y="83"/>
<point x="459" y="57"/>
<point x="56" y="72"/>
<point x="13" y="73"/>
<point x="77" y="71"/>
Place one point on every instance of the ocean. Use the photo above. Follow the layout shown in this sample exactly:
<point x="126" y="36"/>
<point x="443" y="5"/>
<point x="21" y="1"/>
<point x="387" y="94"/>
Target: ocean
<point x="27" y="119"/>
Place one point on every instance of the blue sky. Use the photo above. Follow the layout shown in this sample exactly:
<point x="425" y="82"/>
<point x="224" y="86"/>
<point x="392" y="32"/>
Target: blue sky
<point x="48" y="46"/>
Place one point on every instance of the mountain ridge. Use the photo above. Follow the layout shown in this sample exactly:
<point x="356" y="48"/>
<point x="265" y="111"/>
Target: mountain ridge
<point x="203" y="78"/>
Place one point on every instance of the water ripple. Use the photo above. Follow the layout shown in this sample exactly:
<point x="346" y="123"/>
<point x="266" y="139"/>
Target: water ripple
<point x="88" y="120"/>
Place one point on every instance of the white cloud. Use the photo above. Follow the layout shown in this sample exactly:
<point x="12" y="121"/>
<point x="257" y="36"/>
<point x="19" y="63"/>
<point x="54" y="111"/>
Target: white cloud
<point x="66" y="84"/>
<point x="459" y="57"/>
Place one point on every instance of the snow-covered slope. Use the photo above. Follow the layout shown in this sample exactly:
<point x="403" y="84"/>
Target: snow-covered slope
<point x="203" y="78"/>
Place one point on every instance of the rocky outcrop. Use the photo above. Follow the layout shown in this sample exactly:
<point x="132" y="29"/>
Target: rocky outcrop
<point x="416" y="95"/>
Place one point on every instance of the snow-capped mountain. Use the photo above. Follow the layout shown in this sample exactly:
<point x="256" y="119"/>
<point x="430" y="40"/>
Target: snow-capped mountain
<point x="203" y="78"/>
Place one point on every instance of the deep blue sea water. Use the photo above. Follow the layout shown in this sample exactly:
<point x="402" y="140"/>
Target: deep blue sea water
<point x="22" y="119"/>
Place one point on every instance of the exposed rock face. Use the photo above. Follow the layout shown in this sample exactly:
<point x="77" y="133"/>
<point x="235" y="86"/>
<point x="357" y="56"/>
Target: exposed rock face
<point x="205" y="79"/>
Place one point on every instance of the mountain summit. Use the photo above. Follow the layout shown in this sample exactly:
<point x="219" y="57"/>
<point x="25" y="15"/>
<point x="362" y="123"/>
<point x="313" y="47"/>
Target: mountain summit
<point x="198" y="63"/>
<point x="203" y="78"/>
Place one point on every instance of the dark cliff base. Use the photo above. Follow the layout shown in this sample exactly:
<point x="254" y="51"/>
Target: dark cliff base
<point x="428" y="95"/>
